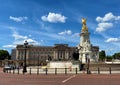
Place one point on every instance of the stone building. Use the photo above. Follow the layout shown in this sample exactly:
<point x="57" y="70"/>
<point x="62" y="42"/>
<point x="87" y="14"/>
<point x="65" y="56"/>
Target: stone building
<point x="39" y="55"/>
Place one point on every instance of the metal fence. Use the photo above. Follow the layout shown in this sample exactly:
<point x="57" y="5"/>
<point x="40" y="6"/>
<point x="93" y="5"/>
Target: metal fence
<point x="46" y="71"/>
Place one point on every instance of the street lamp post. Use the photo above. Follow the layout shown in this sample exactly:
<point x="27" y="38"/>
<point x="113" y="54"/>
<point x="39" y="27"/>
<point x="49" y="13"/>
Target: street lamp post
<point x="25" y="66"/>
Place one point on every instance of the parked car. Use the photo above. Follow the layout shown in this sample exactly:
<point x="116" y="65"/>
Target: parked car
<point x="6" y="67"/>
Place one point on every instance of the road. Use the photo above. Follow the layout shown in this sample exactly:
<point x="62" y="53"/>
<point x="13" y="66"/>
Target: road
<point x="81" y="79"/>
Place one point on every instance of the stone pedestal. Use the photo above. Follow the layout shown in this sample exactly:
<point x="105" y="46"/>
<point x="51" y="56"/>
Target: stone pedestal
<point x="62" y="64"/>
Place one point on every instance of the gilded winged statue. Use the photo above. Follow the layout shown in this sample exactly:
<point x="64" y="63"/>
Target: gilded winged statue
<point x="84" y="27"/>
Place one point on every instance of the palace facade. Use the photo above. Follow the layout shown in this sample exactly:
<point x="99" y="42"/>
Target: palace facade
<point x="40" y="55"/>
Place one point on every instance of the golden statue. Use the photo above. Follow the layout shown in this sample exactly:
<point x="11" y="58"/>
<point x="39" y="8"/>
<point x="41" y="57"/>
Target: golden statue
<point x="84" y="21"/>
<point x="84" y="27"/>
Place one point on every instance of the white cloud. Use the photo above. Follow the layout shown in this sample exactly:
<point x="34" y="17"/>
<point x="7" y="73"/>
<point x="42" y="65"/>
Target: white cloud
<point x="31" y="41"/>
<point x="108" y="17"/>
<point x="113" y="40"/>
<point x="103" y="26"/>
<point x="18" y="19"/>
<point x="9" y="46"/>
<point x="106" y="22"/>
<point x="20" y="39"/>
<point x="54" y="18"/>
<point x="98" y="19"/>
<point x="66" y="32"/>
<point x="76" y="35"/>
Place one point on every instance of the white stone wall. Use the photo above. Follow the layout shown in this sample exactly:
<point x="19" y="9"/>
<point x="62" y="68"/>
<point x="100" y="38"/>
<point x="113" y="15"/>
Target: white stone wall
<point x="60" y="64"/>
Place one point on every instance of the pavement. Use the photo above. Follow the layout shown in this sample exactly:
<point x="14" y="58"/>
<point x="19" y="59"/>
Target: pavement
<point x="59" y="79"/>
<point x="81" y="79"/>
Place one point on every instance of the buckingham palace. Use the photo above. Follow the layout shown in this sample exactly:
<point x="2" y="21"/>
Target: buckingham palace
<point x="39" y="55"/>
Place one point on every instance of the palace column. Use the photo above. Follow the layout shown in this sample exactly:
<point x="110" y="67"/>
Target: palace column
<point x="54" y="55"/>
<point x="57" y="55"/>
<point x="63" y="55"/>
<point x="17" y="55"/>
<point x="67" y="54"/>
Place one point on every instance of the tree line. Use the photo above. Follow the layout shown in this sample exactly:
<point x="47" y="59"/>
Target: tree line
<point x="103" y="56"/>
<point x="4" y="54"/>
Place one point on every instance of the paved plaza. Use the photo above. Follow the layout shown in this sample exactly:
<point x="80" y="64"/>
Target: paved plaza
<point x="59" y="79"/>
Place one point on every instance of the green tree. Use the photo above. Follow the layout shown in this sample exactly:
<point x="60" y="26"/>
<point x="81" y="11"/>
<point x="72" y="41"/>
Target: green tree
<point x="102" y="55"/>
<point x="109" y="58"/>
<point x="116" y="55"/>
<point x="4" y="54"/>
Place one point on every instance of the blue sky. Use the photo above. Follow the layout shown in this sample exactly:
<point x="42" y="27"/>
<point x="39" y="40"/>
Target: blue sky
<point x="47" y="22"/>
